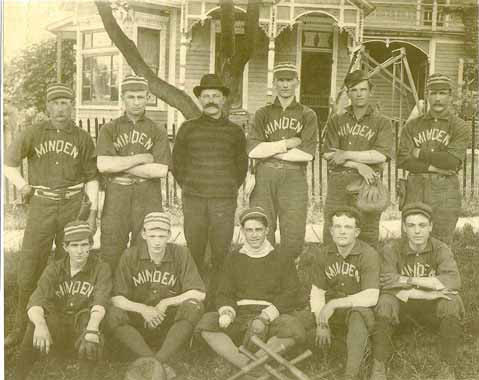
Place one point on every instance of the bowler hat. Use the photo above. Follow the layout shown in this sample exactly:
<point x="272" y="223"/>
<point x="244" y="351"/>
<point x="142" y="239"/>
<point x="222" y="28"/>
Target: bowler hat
<point x="211" y="81"/>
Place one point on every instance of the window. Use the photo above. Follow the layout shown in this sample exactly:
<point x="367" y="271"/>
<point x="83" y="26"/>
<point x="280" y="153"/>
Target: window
<point x="100" y="79"/>
<point x="428" y="13"/>
<point x="98" y="39"/>
<point x="149" y="48"/>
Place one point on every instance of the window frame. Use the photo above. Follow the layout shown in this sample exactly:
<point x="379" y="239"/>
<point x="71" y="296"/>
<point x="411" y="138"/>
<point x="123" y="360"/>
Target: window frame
<point x="112" y="55"/>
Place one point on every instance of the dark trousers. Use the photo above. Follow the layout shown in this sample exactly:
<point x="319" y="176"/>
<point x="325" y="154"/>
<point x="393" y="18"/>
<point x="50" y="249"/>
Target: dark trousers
<point x="124" y="210"/>
<point x="45" y="222"/>
<point x="209" y="219"/>
<point x="337" y="196"/>
<point x="283" y="193"/>
<point x="65" y="330"/>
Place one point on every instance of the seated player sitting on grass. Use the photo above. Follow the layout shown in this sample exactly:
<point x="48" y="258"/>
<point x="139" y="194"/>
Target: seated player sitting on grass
<point x="259" y="294"/>
<point x="345" y="287"/>
<point x="419" y="282"/>
<point x="157" y="294"/>
<point x="68" y="305"/>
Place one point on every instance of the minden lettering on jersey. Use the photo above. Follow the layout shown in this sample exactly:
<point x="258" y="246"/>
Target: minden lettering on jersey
<point x="283" y="123"/>
<point x="344" y="268"/>
<point x="83" y="288"/>
<point x="133" y="137"/>
<point x="156" y="276"/>
<point x="418" y="270"/>
<point x="356" y="130"/>
<point x="433" y="134"/>
<point x="56" y="146"/>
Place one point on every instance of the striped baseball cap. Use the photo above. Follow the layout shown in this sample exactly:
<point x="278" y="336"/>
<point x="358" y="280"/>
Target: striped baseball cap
<point x="155" y="220"/>
<point x="58" y="90"/>
<point x="76" y="230"/>
<point x="285" y="70"/>
<point x="253" y="213"/>
<point x="134" y="83"/>
<point x="438" y="82"/>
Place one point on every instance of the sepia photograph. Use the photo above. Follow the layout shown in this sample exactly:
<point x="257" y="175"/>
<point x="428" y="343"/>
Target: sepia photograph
<point x="240" y="189"/>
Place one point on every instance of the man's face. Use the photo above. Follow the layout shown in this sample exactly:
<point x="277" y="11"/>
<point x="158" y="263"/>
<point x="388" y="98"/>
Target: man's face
<point x="60" y="110"/>
<point x="78" y="250"/>
<point x="417" y="228"/>
<point x="212" y="102"/>
<point x="344" y="230"/>
<point x="359" y="94"/>
<point x="156" y="239"/>
<point x="254" y="232"/>
<point x="439" y="100"/>
<point x="135" y="102"/>
<point x="286" y="86"/>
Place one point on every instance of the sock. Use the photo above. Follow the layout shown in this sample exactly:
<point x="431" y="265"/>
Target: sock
<point x="133" y="340"/>
<point x="356" y="341"/>
<point x="224" y="346"/>
<point x="177" y="336"/>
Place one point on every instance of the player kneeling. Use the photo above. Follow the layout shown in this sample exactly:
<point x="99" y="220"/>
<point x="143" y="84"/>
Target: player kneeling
<point x="68" y="305"/>
<point x="259" y="294"/>
<point x="419" y="283"/>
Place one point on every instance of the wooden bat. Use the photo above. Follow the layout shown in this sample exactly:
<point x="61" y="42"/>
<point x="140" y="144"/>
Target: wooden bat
<point x="267" y="367"/>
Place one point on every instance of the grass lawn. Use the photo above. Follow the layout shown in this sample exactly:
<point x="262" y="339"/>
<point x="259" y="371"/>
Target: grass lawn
<point x="415" y="358"/>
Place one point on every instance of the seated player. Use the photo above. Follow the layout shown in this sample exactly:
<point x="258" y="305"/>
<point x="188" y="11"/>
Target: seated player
<point x="419" y="282"/>
<point x="259" y="293"/>
<point x="68" y="305"/>
<point x="157" y="294"/>
<point x="345" y="287"/>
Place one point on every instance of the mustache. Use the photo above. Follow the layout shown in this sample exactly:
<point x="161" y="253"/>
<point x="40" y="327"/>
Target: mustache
<point x="212" y="105"/>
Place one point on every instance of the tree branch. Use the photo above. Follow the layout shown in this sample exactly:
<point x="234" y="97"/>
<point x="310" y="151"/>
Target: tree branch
<point x="158" y="87"/>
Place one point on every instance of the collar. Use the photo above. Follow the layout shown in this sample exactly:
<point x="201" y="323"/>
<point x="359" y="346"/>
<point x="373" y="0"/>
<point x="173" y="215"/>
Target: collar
<point x="256" y="253"/>
<point x="410" y="251"/>
<point x="212" y="120"/>
<point x="145" y="256"/>
<point x="293" y="104"/>
<point x="126" y="119"/>
<point x="356" y="250"/>
<point x="65" y="264"/>
<point x="68" y="129"/>
<point x="369" y="111"/>
<point x="445" y="115"/>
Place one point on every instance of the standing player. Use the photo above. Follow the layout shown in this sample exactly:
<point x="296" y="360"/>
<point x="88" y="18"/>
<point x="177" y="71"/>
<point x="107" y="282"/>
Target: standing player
<point x="157" y="293"/>
<point x="432" y="148"/>
<point x="133" y="154"/>
<point x="356" y="144"/>
<point x="345" y="287"/>
<point x="68" y="305"/>
<point x="61" y="168"/>
<point x="283" y="140"/>
<point x="419" y="283"/>
<point x="210" y="164"/>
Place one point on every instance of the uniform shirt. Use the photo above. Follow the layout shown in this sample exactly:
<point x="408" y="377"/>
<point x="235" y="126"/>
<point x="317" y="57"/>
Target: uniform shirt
<point x="436" y="260"/>
<point x="342" y="277"/>
<point x="372" y="132"/>
<point x="58" y="290"/>
<point x="139" y="279"/>
<point x="447" y="133"/>
<point x="273" y="123"/>
<point x="123" y="137"/>
<point x="57" y="158"/>
<point x="272" y="278"/>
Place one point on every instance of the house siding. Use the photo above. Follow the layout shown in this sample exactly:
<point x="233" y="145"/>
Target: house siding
<point x="447" y="59"/>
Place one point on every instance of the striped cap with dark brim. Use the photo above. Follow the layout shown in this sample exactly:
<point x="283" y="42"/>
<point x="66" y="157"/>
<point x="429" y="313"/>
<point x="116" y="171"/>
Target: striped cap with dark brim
<point x="154" y="220"/>
<point x="285" y="70"/>
<point x="76" y="230"/>
<point x="134" y="83"/>
<point x="253" y="213"/>
<point x="58" y="90"/>
<point x="438" y="82"/>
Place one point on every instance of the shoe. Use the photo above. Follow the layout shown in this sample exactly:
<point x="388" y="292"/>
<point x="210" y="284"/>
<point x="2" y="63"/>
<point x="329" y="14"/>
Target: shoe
<point x="378" y="371"/>
<point x="446" y="372"/>
<point x="13" y="339"/>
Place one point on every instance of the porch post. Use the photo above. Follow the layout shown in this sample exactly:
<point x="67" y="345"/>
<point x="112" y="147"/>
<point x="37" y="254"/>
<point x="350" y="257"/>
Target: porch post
<point x="59" y="57"/>
<point x="418" y="13"/>
<point x="271" y="55"/>
<point x="434" y="15"/>
<point x="184" y="42"/>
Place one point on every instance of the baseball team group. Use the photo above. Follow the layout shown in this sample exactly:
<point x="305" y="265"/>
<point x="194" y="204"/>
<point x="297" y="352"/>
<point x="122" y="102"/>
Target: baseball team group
<point x="148" y="297"/>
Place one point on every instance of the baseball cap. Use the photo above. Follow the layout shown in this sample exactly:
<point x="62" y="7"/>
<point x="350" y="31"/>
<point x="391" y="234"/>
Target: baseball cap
<point x="415" y="208"/>
<point x="134" y="83"/>
<point x="286" y="70"/>
<point x="76" y="230"/>
<point x="58" y="90"/>
<point x="157" y="220"/>
<point x="253" y="213"/>
<point x="438" y="82"/>
<point x="355" y="77"/>
<point x="348" y="210"/>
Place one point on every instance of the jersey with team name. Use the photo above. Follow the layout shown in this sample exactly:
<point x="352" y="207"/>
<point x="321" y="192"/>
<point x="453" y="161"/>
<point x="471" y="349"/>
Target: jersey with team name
<point x="123" y="137"/>
<point x="341" y="277"/>
<point x="446" y="133"/>
<point x="140" y="279"/>
<point x="273" y="123"/>
<point x="371" y="132"/>
<point x="436" y="260"/>
<point x="59" y="291"/>
<point x="57" y="157"/>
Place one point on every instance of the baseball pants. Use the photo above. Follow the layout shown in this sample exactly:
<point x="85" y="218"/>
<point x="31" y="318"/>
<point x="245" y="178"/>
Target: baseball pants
<point x="64" y="329"/>
<point x="337" y="196"/>
<point x="124" y="210"/>
<point x="443" y="194"/>
<point x="283" y="193"/>
<point x="45" y="222"/>
<point x="443" y="315"/>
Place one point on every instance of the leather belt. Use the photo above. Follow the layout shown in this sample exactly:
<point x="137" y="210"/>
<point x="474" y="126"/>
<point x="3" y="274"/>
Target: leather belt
<point x="126" y="181"/>
<point x="57" y="195"/>
<point x="282" y="165"/>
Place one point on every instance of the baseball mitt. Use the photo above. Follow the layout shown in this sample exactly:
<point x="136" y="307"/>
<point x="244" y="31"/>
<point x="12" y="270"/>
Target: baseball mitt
<point x="259" y="327"/>
<point x="146" y="368"/>
<point x="88" y="349"/>
<point x="373" y="198"/>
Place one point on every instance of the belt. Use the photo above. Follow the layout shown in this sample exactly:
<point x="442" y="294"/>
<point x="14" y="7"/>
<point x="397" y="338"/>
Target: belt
<point x="431" y="174"/>
<point x="282" y="165"/>
<point x="126" y="181"/>
<point x="56" y="195"/>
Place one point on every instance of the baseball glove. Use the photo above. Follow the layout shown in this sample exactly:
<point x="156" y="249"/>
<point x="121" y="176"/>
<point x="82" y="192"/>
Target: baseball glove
<point x="146" y="368"/>
<point x="85" y="206"/>
<point x="258" y="326"/>
<point x="370" y="198"/>
<point x="88" y="349"/>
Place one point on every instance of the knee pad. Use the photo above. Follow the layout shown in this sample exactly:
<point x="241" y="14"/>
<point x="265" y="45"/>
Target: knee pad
<point x="190" y="310"/>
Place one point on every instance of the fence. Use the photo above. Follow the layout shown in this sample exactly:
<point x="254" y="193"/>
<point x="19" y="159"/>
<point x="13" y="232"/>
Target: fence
<point x="317" y="169"/>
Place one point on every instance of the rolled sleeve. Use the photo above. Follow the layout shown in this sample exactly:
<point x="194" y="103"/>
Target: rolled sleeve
<point x="45" y="290"/>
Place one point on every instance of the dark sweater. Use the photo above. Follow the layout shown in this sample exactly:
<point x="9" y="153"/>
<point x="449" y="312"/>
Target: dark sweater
<point x="272" y="278"/>
<point x="209" y="157"/>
